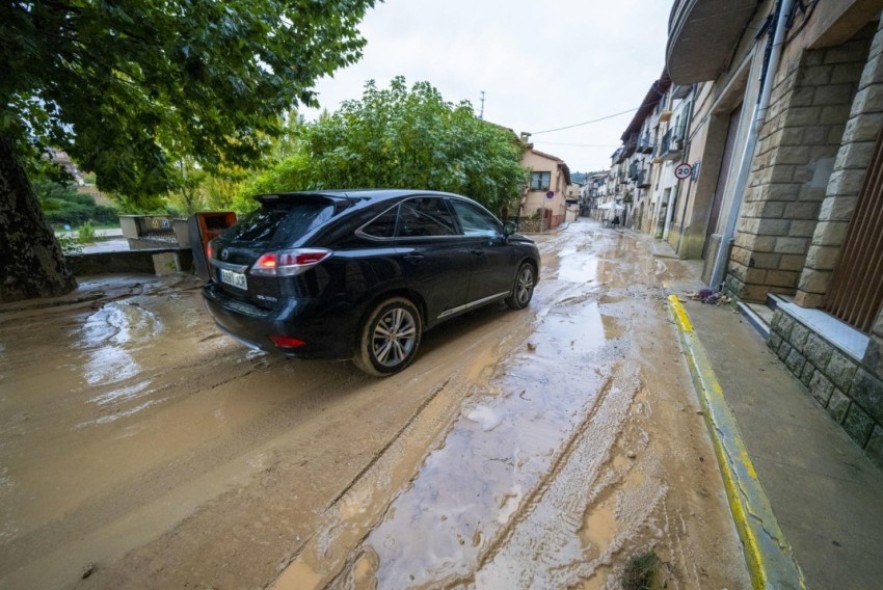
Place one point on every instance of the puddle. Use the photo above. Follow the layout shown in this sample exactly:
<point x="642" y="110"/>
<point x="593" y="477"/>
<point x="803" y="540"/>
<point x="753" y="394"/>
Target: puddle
<point x="578" y="269"/>
<point x="109" y="334"/>
<point x="598" y="529"/>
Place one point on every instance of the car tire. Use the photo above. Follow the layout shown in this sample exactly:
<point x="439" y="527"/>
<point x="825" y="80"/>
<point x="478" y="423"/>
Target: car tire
<point x="389" y="338"/>
<point x="522" y="290"/>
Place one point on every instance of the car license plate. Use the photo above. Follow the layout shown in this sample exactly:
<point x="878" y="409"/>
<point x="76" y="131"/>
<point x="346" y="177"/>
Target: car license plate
<point x="237" y="279"/>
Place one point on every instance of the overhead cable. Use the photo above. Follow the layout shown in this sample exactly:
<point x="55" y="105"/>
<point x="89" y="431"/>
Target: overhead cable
<point x="587" y="122"/>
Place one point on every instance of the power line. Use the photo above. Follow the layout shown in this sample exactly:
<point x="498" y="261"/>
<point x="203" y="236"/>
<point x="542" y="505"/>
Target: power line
<point x="586" y="122"/>
<point x="591" y="145"/>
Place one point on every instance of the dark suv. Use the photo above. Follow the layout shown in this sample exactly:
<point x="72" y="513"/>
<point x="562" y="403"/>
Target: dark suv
<point x="362" y="274"/>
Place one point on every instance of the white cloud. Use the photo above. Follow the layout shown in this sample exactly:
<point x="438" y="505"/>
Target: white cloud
<point x="542" y="64"/>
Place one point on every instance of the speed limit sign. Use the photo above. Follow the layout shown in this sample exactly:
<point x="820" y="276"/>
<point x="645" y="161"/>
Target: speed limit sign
<point x="683" y="170"/>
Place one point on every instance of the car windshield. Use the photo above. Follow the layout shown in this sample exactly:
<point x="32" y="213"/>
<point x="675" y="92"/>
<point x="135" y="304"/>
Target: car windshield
<point x="281" y="221"/>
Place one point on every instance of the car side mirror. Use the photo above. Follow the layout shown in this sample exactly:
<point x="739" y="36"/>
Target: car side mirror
<point x="509" y="228"/>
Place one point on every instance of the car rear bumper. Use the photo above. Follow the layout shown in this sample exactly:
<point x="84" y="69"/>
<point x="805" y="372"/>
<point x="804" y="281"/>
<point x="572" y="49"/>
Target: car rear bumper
<point x="325" y="334"/>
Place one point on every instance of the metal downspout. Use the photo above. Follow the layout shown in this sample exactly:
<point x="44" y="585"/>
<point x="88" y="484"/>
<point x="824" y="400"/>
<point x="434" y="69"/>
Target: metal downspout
<point x="760" y="110"/>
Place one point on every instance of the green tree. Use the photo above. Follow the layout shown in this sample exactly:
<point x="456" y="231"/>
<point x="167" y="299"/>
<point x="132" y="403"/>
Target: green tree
<point x="401" y="138"/>
<point x="128" y="88"/>
<point x="187" y="192"/>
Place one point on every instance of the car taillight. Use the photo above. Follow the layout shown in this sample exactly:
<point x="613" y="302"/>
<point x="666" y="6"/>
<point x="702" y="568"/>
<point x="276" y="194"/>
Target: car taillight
<point x="208" y="251"/>
<point x="287" y="342"/>
<point x="289" y="262"/>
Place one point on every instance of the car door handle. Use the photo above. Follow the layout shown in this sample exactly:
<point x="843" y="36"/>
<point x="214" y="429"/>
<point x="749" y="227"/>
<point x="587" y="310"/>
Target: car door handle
<point x="477" y="251"/>
<point x="413" y="258"/>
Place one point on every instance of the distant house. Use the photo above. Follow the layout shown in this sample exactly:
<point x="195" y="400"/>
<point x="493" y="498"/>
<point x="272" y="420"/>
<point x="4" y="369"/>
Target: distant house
<point x="546" y="193"/>
<point x="593" y="192"/>
<point x="62" y="159"/>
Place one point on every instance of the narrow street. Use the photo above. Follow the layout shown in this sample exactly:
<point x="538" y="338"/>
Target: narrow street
<point x="545" y="448"/>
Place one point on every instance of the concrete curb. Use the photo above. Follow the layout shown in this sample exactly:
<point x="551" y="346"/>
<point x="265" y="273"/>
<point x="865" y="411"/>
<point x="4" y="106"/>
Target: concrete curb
<point x="767" y="553"/>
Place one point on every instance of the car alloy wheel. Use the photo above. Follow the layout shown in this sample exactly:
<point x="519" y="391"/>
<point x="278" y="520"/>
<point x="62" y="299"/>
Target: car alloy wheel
<point x="522" y="292"/>
<point x="389" y="338"/>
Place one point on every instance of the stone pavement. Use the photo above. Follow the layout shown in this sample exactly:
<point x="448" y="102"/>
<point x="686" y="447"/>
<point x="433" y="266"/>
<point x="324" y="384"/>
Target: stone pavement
<point x="825" y="493"/>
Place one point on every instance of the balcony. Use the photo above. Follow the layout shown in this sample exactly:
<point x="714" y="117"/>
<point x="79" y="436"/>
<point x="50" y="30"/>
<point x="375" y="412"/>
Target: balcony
<point x="671" y="146"/>
<point x="702" y="35"/>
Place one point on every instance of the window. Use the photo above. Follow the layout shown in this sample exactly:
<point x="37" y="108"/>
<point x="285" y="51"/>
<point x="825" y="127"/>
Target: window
<point x="475" y="221"/>
<point x="540" y="181"/>
<point x="383" y="226"/>
<point x="425" y="217"/>
<point x="285" y="221"/>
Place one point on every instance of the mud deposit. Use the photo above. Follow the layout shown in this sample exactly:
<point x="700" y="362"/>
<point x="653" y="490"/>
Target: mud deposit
<point x="536" y="449"/>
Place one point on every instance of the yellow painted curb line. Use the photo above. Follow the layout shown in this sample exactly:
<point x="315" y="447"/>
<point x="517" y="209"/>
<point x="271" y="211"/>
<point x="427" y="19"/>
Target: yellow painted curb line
<point x="767" y="553"/>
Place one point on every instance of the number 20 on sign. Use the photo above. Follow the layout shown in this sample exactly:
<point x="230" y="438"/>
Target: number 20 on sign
<point x="683" y="171"/>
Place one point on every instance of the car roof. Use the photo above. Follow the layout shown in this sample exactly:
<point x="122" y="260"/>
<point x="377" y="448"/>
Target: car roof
<point x="353" y="196"/>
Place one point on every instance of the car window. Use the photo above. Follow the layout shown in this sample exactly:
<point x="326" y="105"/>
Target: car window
<point x="425" y="217"/>
<point x="280" y="222"/>
<point x="383" y="226"/>
<point x="475" y="221"/>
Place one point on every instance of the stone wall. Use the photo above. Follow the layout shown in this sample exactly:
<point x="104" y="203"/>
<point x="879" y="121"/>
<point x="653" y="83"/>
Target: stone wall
<point x="159" y="262"/>
<point x="850" y="168"/>
<point x="846" y="387"/>
<point x="796" y="151"/>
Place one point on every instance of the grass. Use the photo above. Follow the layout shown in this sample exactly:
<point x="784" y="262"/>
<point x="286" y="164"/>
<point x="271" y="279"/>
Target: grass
<point x="86" y="233"/>
<point x="640" y="573"/>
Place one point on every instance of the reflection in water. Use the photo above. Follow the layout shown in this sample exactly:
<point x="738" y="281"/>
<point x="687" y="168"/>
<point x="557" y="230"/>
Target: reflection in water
<point x="577" y="269"/>
<point x="109" y="336"/>
<point x="121" y="394"/>
<point x="109" y="365"/>
<point x="124" y="413"/>
<point x="486" y="417"/>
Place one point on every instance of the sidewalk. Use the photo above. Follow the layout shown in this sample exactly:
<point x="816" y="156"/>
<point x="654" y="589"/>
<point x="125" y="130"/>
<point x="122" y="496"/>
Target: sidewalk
<point x="825" y="494"/>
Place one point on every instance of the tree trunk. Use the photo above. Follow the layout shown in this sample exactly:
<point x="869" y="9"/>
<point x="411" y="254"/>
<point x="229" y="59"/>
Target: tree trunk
<point x="31" y="262"/>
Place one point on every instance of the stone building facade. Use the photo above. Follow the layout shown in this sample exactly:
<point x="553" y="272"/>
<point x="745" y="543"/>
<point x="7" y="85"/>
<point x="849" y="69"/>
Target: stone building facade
<point x="773" y="211"/>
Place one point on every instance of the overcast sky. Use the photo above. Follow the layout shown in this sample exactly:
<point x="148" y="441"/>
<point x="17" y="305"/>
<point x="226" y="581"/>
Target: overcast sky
<point x="543" y="64"/>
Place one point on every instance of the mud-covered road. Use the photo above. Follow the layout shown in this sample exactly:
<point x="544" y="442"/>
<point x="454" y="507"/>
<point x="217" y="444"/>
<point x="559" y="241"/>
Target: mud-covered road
<point x="544" y="448"/>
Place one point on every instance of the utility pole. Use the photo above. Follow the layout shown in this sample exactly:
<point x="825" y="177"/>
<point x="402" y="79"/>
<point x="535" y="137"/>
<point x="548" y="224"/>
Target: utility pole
<point x="481" y="114"/>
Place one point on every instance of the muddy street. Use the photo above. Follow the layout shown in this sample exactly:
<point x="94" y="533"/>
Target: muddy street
<point x="543" y="448"/>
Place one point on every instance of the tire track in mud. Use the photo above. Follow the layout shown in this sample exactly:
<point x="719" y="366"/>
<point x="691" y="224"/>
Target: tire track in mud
<point x="545" y="548"/>
<point x="325" y="556"/>
<point x="557" y="467"/>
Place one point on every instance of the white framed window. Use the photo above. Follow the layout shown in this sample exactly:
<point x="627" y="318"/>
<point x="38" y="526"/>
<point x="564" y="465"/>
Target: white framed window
<point x="540" y="181"/>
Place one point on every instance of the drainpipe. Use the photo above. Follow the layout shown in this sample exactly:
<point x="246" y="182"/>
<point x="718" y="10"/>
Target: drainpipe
<point x="760" y="110"/>
<point x="676" y="189"/>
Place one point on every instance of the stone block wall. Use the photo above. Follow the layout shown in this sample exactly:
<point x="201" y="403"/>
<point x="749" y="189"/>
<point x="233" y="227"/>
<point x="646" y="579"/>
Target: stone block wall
<point x="797" y="146"/>
<point x="850" y="390"/>
<point x="853" y="159"/>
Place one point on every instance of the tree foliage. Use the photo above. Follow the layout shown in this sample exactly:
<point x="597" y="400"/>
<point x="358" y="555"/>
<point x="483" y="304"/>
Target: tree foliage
<point x="401" y="138"/>
<point x="128" y="88"/>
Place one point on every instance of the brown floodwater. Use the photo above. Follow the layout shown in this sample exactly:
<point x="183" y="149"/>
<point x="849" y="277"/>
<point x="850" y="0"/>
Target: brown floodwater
<point x="539" y="448"/>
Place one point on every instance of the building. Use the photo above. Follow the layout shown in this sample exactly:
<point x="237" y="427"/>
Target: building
<point x="783" y="202"/>
<point x="592" y="192"/>
<point x="545" y="196"/>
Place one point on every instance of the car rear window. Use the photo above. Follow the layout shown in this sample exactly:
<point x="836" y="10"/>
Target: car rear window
<point x="281" y="221"/>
